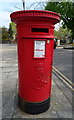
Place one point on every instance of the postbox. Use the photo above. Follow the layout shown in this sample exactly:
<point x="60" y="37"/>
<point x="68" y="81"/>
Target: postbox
<point x="35" y="34"/>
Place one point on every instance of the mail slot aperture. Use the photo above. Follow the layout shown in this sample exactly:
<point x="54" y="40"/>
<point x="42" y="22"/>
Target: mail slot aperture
<point x="41" y="30"/>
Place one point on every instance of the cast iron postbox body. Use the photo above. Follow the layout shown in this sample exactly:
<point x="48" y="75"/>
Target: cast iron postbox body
<point x="35" y="34"/>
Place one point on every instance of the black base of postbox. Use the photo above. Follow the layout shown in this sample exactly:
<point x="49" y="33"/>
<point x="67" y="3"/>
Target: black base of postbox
<point x="33" y="108"/>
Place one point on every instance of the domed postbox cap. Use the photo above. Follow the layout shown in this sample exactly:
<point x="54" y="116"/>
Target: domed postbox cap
<point x="26" y="14"/>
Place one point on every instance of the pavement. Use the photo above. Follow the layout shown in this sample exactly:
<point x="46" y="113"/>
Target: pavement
<point x="67" y="46"/>
<point x="61" y="99"/>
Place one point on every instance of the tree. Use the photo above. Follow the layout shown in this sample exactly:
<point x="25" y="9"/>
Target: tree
<point x="66" y="9"/>
<point x="12" y="31"/>
<point x="0" y="35"/>
<point x="4" y="35"/>
<point x="62" y="33"/>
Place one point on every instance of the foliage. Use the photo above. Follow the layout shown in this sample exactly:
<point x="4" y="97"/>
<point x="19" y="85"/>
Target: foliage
<point x="0" y="34"/>
<point x="7" y="35"/>
<point x="4" y="34"/>
<point x="62" y="34"/>
<point x="13" y="27"/>
<point x="66" y="9"/>
<point x="12" y="31"/>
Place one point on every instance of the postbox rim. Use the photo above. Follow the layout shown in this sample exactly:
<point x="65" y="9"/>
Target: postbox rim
<point x="46" y="11"/>
<point x="34" y="13"/>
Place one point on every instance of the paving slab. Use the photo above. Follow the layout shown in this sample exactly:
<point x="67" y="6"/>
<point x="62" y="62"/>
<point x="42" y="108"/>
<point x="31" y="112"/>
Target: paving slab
<point x="4" y="76"/>
<point x="0" y="106"/>
<point x="0" y="100"/>
<point x="67" y="113"/>
<point x="9" y="69"/>
<point x="6" y="64"/>
<point x="9" y="85"/>
<point x="63" y="88"/>
<point x="8" y="108"/>
<point x="0" y="87"/>
<point x="0" y="63"/>
<point x="6" y="96"/>
<point x="47" y="114"/>
<point x="63" y="104"/>
<point x="0" y="71"/>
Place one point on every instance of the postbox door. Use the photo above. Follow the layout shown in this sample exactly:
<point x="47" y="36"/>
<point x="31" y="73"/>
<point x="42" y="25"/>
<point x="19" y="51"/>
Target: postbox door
<point x="35" y="66"/>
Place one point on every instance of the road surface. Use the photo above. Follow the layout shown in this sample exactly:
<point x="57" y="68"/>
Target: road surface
<point x="63" y="62"/>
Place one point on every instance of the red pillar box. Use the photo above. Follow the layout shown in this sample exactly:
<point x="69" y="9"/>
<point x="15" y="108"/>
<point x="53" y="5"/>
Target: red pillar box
<point x="35" y="29"/>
